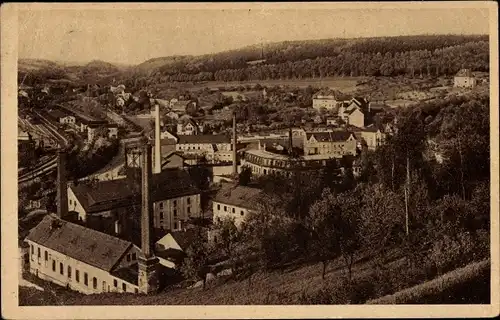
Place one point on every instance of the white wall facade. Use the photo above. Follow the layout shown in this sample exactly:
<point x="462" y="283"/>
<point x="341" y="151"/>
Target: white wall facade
<point x="171" y="213"/>
<point x="222" y="210"/>
<point x="328" y="103"/>
<point x="465" y="82"/>
<point x="73" y="272"/>
<point x="334" y="148"/>
<point x="167" y="213"/>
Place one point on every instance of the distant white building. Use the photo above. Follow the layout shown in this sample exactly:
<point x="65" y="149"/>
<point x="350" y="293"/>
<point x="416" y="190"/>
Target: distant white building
<point x="464" y="79"/>
<point x="329" y="99"/>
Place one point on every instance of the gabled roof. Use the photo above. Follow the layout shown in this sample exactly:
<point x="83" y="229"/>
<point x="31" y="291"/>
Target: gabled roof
<point x="112" y="194"/>
<point x="239" y="196"/>
<point x="83" y="244"/>
<point x="204" y="138"/>
<point x="351" y="111"/>
<point x="184" y="238"/>
<point x="464" y="73"/>
<point x="335" y="136"/>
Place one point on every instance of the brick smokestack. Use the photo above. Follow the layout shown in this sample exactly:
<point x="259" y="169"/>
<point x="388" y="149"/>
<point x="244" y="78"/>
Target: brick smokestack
<point x="235" y="160"/>
<point x="157" y="167"/>
<point x="290" y="141"/>
<point x="147" y="262"/>
<point x="62" y="185"/>
<point x="146" y="203"/>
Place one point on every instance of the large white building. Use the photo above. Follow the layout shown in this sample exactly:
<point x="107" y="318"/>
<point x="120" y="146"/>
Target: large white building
<point x="235" y="202"/>
<point x="334" y="143"/>
<point x="82" y="259"/>
<point x="216" y="148"/>
<point x="175" y="198"/>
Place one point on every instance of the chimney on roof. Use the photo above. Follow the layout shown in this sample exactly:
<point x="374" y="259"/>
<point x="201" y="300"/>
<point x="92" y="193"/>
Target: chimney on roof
<point x="235" y="160"/>
<point x="157" y="140"/>
<point x="147" y="262"/>
<point x="62" y="185"/>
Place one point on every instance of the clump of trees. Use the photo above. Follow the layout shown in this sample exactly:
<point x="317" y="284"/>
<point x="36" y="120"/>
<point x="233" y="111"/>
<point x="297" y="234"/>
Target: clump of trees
<point x="408" y="211"/>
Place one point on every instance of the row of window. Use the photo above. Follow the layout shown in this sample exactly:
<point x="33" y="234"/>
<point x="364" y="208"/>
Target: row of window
<point x="77" y="272"/>
<point x="174" y="203"/>
<point x="233" y="209"/>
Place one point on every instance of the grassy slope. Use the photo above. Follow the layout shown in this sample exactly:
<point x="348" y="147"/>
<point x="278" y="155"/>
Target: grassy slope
<point x="266" y="288"/>
<point x="470" y="284"/>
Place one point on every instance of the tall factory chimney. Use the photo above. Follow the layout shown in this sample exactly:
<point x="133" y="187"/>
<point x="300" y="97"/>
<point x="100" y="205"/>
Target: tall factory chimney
<point x="62" y="185"/>
<point x="147" y="262"/>
<point x="290" y="141"/>
<point x="157" y="167"/>
<point x="235" y="160"/>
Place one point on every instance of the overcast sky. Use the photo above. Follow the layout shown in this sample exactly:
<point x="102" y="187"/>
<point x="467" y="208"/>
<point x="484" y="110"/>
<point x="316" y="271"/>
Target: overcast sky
<point x="133" y="36"/>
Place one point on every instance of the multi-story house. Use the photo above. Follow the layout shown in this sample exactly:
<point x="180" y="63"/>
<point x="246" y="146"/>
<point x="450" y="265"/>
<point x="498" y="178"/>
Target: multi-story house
<point x="82" y="259"/>
<point x="187" y="126"/>
<point x="335" y="143"/>
<point x="215" y="148"/>
<point x="264" y="162"/>
<point x="235" y="202"/>
<point x="175" y="198"/>
<point x="371" y="135"/>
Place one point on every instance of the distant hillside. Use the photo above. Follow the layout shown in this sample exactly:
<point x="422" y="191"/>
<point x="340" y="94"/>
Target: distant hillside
<point x="387" y="56"/>
<point x="424" y="55"/>
<point x="35" y="64"/>
<point x="39" y="72"/>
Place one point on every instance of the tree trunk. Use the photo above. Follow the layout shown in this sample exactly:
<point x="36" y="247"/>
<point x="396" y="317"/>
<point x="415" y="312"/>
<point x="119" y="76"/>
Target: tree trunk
<point x="461" y="167"/>
<point x="407" y="193"/>
<point x="392" y="173"/>
<point x="324" y="270"/>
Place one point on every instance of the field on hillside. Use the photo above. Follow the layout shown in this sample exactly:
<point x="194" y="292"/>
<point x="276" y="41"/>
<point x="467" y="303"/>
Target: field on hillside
<point x="345" y="84"/>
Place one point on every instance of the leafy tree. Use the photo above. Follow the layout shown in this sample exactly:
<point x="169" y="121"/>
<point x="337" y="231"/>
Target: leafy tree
<point x="334" y="222"/>
<point x="245" y="176"/>
<point x="228" y="235"/>
<point x="195" y="265"/>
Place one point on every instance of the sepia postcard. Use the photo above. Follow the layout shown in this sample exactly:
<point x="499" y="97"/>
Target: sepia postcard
<point x="249" y="160"/>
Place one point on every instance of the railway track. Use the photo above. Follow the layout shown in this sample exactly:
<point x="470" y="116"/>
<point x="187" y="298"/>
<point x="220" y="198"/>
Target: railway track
<point x="40" y="171"/>
<point x="48" y="131"/>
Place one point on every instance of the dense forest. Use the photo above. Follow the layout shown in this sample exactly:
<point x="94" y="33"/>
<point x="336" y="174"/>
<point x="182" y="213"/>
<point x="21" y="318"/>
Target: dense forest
<point x="427" y="55"/>
<point x="390" y="56"/>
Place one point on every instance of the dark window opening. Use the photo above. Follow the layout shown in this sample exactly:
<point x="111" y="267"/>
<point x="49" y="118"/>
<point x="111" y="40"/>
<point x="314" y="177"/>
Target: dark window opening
<point x="94" y="282"/>
<point x="54" y="265"/>
<point x="115" y="283"/>
<point x="77" y="276"/>
<point x="86" y="279"/>
<point x="69" y="272"/>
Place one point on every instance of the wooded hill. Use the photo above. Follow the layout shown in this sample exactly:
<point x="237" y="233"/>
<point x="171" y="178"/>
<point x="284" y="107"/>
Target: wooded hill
<point x="387" y="56"/>
<point x="425" y="55"/>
